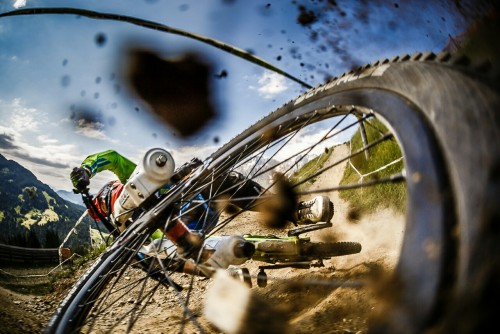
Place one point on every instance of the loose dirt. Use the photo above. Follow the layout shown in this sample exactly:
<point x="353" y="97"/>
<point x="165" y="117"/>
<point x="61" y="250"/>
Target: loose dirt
<point x="29" y="313"/>
<point x="341" y="306"/>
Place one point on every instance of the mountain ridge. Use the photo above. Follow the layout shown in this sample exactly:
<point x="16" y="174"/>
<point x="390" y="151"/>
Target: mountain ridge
<point x="70" y="197"/>
<point x="32" y="214"/>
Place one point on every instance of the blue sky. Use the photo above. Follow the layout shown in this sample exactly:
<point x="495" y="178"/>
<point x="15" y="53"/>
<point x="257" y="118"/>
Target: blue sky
<point x="51" y="65"/>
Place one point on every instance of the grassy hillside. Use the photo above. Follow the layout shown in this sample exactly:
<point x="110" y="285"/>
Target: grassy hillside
<point x="368" y="199"/>
<point x="310" y="168"/>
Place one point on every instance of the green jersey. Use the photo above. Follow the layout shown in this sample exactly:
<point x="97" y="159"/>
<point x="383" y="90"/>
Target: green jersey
<point x="112" y="161"/>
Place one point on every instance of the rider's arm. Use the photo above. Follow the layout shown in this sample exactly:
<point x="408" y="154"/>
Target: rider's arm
<point x="109" y="160"/>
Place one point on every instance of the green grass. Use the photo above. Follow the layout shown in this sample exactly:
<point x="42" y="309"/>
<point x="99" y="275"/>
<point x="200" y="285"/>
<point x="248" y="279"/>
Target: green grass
<point x="369" y="199"/>
<point x="79" y="262"/>
<point x="309" y="169"/>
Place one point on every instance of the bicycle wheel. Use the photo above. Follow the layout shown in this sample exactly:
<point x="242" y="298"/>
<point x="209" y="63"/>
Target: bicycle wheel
<point x="330" y="249"/>
<point x="443" y="118"/>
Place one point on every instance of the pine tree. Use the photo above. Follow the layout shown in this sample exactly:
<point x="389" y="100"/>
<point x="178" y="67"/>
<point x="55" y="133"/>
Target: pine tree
<point x="52" y="239"/>
<point x="32" y="240"/>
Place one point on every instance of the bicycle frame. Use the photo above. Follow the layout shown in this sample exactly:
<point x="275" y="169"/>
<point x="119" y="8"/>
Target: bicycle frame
<point x="273" y="249"/>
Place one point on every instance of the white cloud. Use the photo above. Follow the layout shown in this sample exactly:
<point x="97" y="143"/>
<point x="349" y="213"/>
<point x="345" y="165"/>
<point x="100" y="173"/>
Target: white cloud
<point x="45" y="150"/>
<point x="8" y="138"/>
<point x="46" y="158"/>
<point x="271" y="84"/>
<point x="24" y="118"/>
<point x="21" y="140"/>
<point x="90" y="129"/>
<point x="44" y="139"/>
<point x="19" y="3"/>
<point x="93" y="130"/>
<point x="186" y="153"/>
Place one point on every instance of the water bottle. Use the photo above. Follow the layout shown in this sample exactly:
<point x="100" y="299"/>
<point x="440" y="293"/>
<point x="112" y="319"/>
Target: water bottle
<point x="153" y="172"/>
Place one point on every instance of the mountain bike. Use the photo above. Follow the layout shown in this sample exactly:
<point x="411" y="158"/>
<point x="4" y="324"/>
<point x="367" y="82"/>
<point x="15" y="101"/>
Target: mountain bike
<point x="294" y="251"/>
<point x="441" y="111"/>
<point x="290" y="251"/>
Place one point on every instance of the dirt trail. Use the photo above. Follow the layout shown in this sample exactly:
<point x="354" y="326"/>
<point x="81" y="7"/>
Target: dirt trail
<point x="22" y="313"/>
<point x="310" y="308"/>
<point x="330" y="309"/>
<point x="380" y="233"/>
<point x="346" y="309"/>
<point x="25" y="313"/>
